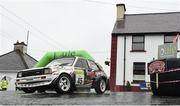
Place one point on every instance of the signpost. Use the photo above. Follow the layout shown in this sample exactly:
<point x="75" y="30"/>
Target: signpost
<point x="167" y="51"/>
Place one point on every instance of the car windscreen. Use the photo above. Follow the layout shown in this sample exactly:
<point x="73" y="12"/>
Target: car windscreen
<point x="62" y="61"/>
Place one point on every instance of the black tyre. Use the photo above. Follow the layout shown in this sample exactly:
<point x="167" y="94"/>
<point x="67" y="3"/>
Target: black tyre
<point x="28" y="90"/>
<point x="64" y="84"/>
<point x="107" y="85"/>
<point x="100" y="86"/>
<point x="41" y="91"/>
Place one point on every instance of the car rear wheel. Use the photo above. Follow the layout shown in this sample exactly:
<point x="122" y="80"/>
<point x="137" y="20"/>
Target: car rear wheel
<point x="100" y="86"/>
<point x="28" y="90"/>
<point x="64" y="84"/>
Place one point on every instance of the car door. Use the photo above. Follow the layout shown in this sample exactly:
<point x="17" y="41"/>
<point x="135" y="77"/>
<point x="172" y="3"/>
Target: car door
<point x="81" y="75"/>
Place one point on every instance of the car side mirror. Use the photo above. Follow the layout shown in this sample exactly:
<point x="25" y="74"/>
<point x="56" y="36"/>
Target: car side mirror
<point x="107" y="63"/>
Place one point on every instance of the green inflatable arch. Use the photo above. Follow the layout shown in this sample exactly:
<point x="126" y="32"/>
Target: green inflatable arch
<point x="49" y="56"/>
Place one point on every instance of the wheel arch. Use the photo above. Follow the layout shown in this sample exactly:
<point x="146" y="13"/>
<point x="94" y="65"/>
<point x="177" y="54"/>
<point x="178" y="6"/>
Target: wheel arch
<point x="97" y="78"/>
<point x="64" y="73"/>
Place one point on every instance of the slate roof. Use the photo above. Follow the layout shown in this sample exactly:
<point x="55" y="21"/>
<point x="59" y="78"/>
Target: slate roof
<point x="15" y="60"/>
<point x="148" y="23"/>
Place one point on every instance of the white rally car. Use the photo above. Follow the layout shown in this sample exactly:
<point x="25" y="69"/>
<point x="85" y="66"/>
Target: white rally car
<point x="63" y="75"/>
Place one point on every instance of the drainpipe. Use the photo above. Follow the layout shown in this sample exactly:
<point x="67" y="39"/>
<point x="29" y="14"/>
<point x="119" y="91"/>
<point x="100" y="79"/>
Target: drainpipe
<point x="124" y="62"/>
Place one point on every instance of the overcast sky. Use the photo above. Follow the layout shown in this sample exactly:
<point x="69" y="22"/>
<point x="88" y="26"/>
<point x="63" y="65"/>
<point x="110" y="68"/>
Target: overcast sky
<point x="57" y="25"/>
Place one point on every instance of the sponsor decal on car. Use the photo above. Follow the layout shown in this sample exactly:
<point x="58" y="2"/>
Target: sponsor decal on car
<point x="79" y="76"/>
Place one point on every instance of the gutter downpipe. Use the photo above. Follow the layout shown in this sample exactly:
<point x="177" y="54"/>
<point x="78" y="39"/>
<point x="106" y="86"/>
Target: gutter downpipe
<point x="124" y="62"/>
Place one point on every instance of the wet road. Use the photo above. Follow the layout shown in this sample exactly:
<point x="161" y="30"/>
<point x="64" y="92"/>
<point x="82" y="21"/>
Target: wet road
<point x="51" y="98"/>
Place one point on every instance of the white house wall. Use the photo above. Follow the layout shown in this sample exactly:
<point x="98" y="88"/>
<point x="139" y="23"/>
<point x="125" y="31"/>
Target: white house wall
<point x="151" y="48"/>
<point x="120" y="60"/>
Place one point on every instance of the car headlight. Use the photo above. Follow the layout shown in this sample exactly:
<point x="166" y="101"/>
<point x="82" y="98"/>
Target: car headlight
<point x="47" y="71"/>
<point x="19" y="74"/>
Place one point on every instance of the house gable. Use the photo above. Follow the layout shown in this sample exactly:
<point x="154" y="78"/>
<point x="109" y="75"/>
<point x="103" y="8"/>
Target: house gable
<point x="15" y="60"/>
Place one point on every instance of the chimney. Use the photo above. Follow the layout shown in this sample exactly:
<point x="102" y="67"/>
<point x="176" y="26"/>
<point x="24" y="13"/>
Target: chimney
<point x="120" y="11"/>
<point x="22" y="47"/>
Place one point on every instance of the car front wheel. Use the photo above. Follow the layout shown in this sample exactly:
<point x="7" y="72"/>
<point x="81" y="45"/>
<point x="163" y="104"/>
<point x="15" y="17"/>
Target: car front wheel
<point x="64" y="84"/>
<point x="100" y="86"/>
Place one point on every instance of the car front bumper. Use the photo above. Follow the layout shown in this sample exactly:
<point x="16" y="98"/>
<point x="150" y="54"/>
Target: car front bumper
<point x="35" y="81"/>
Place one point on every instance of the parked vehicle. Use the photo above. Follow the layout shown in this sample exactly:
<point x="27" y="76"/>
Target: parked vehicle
<point x="64" y="75"/>
<point x="164" y="76"/>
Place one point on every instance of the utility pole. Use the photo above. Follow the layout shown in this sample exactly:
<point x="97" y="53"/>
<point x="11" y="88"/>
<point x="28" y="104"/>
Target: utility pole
<point x="27" y="41"/>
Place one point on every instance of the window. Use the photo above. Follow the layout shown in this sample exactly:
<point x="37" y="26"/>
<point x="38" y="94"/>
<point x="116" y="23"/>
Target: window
<point x="139" y="71"/>
<point x="81" y="63"/>
<point x="93" y="65"/>
<point x="138" y="43"/>
<point x="85" y="64"/>
<point x="168" y="38"/>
